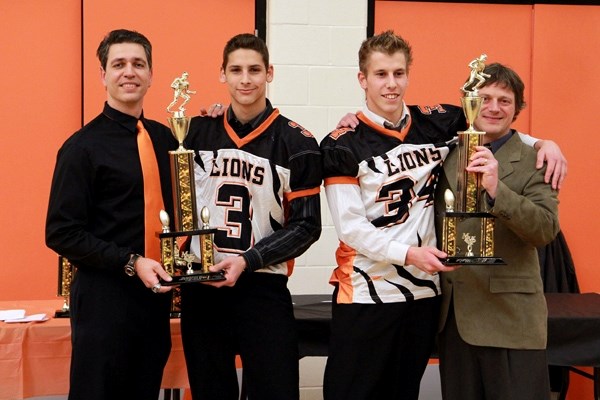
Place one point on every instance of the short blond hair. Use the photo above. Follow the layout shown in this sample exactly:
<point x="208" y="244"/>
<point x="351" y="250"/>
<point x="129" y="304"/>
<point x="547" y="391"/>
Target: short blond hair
<point x="388" y="43"/>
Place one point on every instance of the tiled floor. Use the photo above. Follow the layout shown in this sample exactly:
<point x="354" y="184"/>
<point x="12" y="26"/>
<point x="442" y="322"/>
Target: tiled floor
<point x="311" y="378"/>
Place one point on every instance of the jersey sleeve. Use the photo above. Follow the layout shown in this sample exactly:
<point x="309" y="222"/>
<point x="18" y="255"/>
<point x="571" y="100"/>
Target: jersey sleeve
<point x="306" y="171"/>
<point x="338" y="159"/>
<point x="302" y="230"/>
<point x="303" y="222"/>
<point x="354" y="229"/>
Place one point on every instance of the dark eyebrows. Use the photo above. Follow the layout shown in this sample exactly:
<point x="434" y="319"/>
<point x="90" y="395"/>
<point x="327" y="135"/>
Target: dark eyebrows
<point x="253" y="66"/>
<point x="123" y="59"/>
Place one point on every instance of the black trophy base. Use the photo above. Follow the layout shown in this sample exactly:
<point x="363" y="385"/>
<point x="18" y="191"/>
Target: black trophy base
<point x="464" y="260"/>
<point x="61" y="314"/>
<point x="195" y="277"/>
<point x="175" y="314"/>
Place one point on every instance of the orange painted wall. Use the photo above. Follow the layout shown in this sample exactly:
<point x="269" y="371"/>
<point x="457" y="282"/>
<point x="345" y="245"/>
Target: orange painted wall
<point x="41" y="79"/>
<point x="40" y="104"/>
<point x="555" y="50"/>
<point x="187" y="35"/>
<point x="566" y="85"/>
<point x="444" y="43"/>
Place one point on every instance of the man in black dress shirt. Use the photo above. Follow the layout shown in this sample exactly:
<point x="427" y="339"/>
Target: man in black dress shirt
<point x="120" y="328"/>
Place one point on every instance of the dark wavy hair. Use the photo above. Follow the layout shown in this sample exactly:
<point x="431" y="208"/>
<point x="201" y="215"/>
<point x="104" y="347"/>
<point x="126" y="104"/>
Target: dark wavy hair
<point x="246" y="41"/>
<point x="509" y="79"/>
<point x="123" y="36"/>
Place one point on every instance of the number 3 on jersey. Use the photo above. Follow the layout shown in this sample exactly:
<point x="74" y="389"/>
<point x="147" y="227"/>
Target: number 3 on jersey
<point x="399" y="195"/>
<point x="236" y="235"/>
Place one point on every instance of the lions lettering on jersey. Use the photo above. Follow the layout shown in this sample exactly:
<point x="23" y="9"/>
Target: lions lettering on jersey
<point x="234" y="167"/>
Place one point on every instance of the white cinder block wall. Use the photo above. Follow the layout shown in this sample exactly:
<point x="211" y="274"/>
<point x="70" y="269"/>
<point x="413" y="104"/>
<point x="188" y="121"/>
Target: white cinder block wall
<point x="313" y="46"/>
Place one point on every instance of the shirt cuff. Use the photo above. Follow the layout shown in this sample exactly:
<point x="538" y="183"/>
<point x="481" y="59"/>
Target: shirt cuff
<point x="528" y="139"/>
<point x="253" y="260"/>
<point x="396" y="253"/>
<point x="490" y="202"/>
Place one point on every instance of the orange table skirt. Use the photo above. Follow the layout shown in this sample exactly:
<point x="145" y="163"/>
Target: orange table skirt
<point x="35" y="356"/>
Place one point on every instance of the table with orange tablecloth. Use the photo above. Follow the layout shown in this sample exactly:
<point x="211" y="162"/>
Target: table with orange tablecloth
<point x="35" y="356"/>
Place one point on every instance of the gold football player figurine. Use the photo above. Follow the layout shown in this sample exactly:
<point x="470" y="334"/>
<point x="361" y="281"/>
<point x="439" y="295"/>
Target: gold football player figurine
<point x="181" y="87"/>
<point x="477" y="66"/>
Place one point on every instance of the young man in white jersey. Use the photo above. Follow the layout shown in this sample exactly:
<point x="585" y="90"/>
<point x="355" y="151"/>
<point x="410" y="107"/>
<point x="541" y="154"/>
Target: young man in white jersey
<point x="259" y="174"/>
<point x="380" y="177"/>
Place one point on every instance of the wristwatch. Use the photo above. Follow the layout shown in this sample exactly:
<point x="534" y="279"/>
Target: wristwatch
<point x="130" y="267"/>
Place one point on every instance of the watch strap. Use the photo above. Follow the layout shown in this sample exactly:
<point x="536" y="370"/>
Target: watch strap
<point x="130" y="266"/>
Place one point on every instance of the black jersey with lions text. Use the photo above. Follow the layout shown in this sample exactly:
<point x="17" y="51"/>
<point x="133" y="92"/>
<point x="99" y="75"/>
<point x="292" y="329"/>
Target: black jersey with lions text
<point x="247" y="183"/>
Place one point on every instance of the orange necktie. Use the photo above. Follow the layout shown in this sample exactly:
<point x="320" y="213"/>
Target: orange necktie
<point x="153" y="201"/>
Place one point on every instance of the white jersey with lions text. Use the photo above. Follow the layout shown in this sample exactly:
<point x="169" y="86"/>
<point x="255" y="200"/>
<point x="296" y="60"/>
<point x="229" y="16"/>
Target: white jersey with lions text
<point x="380" y="192"/>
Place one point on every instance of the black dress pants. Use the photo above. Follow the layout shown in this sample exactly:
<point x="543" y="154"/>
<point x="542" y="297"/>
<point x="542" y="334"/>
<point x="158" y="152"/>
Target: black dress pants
<point x="120" y="337"/>
<point x="254" y="319"/>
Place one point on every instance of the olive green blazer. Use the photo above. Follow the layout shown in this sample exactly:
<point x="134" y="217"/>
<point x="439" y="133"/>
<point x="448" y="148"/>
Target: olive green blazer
<point x="504" y="305"/>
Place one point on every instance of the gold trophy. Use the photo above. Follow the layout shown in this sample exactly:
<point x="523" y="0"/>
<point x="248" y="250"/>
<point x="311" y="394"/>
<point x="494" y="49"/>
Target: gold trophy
<point x="66" y="272"/>
<point x="182" y="265"/>
<point x="464" y="217"/>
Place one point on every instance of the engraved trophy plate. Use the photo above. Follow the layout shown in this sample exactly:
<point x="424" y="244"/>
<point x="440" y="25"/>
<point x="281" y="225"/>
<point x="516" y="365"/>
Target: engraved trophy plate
<point x="182" y="265"/>
<point x="468" y="232"/>
<point x="66" y="272"/>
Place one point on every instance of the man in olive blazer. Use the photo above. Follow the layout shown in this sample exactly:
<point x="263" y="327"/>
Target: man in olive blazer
<point x="493" y="320"/>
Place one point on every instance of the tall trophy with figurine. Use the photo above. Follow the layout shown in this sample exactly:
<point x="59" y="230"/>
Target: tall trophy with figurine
<point x="179" y="262"/>
<point x="468" y="231"/>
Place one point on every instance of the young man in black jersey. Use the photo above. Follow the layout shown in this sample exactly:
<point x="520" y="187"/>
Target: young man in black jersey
<point x="259" y="174"/>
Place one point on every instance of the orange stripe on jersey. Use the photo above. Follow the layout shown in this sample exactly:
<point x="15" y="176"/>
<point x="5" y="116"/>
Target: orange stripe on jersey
<point x="239" y="142"/>
<point x="335" y="135"/>
<point x="290" y="267"/>
<point x="390" y="132"/>
<point x="303" y="130"/>
<point x="342" y="275"/>
<point x="341" y="180"/>
<point x="302" y="193"/>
